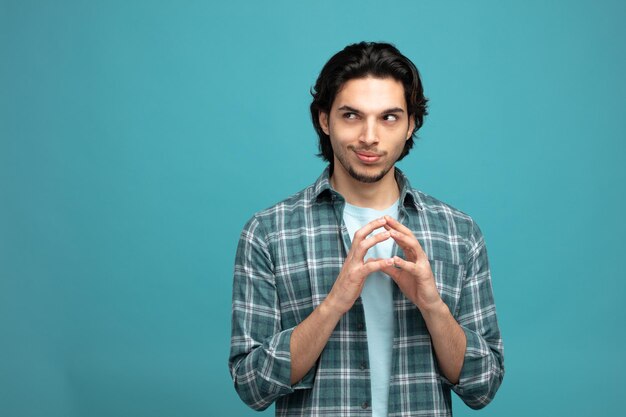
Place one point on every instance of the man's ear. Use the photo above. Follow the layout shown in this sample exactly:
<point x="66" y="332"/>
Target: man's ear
<point x="323" y="119"/>
<point x="411" y="128"/>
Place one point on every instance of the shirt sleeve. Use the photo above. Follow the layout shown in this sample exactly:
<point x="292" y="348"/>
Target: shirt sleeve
<point x="483" y="366"/>
<point x="260" y="360"/>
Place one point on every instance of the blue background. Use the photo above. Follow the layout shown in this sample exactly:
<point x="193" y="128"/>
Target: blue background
<point x="136" y="138"/>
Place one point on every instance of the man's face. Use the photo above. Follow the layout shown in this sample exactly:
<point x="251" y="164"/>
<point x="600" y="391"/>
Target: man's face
<point x="368" y="126"/>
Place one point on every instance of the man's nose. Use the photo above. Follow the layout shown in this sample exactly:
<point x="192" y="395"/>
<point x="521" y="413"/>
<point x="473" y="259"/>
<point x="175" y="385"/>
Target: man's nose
<point x="369" y="135"/>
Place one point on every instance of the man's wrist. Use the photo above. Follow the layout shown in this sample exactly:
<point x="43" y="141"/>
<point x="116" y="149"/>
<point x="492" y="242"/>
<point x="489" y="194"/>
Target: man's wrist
<point x="330" y="309"/>
<point x="437" y="309"/>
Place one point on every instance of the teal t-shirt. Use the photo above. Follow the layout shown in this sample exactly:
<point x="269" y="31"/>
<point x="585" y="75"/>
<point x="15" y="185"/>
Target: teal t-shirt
<point x="377" y="297"/>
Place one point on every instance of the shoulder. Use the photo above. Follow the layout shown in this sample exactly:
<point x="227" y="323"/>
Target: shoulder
<point x="434" y="206"/>
<point x="447" y="218"/>
<point x="283" y="215"/>
<point x="441" y="220"/>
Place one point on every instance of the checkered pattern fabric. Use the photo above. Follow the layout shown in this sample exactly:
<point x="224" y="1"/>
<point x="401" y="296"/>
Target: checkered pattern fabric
<point x="287" y="260"/>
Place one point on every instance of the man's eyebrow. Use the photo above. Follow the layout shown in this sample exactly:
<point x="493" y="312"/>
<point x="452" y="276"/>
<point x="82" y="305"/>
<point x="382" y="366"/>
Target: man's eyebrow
<point x="394" y="110"/>
<point x="348" y="108"/>
<point x="387" y="111"/>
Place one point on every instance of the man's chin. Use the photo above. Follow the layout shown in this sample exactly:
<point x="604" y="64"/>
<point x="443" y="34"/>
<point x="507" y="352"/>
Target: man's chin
<point x="367" y="177"/>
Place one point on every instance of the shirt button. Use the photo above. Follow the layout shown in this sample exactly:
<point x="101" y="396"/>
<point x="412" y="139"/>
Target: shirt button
<point x="363" y="367"/>
<point x="365" y="405"/>
<point x="360" y="326"/>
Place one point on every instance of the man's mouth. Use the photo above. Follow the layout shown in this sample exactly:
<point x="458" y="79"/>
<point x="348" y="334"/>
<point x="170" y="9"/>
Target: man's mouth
<point x="368" y="156"/>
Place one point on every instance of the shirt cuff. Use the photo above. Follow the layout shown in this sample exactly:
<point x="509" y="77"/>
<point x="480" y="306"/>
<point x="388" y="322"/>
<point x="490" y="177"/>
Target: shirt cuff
<point x="478" y="380"/>
<point x="278" y="368"/>
<point x="280" y="345"/>
<point x="476" y="352"/>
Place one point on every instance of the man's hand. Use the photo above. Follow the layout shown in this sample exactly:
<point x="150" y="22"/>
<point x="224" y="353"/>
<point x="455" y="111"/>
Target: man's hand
<point x="416" y="280"/>
<point x="351" y="279"/>
<point x="413" y="275"/>
<point x="309" y="337"/>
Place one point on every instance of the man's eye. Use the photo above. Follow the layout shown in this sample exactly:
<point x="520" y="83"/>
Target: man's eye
<point x="349" y="116"/>
<point x="390" y="117"/>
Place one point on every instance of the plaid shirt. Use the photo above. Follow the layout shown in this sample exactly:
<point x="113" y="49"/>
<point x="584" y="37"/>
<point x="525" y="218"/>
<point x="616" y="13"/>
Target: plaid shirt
<point x="286" y="263"/>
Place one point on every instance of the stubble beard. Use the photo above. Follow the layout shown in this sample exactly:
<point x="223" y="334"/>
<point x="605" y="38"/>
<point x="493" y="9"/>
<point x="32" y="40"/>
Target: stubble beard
<point x="362" y="177"/>
<point x="367" y="179"/>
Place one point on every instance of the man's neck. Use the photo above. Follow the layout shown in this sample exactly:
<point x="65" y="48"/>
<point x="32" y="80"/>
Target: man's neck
<point x="377" y="195"/>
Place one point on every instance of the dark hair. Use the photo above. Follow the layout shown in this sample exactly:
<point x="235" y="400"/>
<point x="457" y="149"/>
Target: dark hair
<point x="359" y="60"/>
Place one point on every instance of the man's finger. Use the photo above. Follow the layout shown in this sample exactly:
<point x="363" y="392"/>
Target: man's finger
<point x="409" y="244"/>
<point x="392" y="271"/>
<point x="363" y="246"/>
<point x="364" y="231"/>
<point x="400" y="263"/>
<point x="377" y="265"/>
<point x="394" y="224"/>
<point x="387" y="266"/>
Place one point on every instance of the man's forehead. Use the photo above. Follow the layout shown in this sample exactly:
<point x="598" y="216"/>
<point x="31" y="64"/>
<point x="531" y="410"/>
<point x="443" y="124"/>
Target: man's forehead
<point x="371" y="94"/>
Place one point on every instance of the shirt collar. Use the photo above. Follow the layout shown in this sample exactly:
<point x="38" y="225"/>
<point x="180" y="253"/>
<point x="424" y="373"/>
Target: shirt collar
<point x="408" y="195"/>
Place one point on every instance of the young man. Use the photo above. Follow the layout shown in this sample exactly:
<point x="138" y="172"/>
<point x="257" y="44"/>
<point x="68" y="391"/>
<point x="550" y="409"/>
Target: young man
<point x="360" y="295"/>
